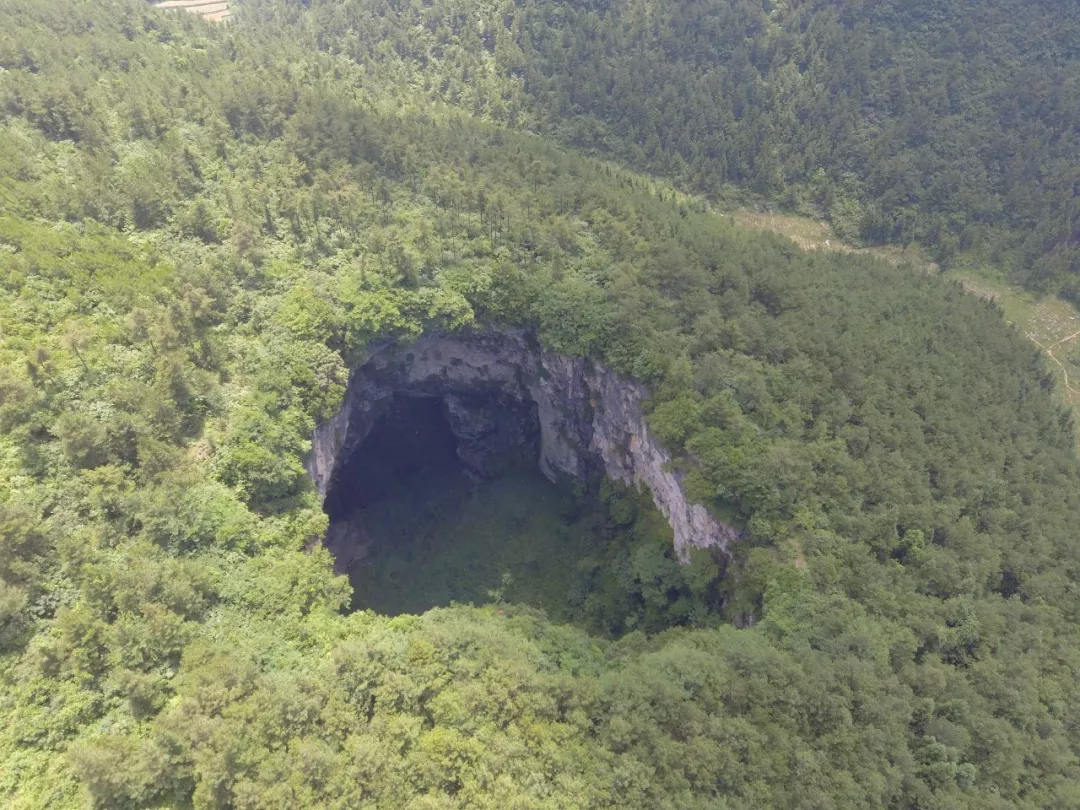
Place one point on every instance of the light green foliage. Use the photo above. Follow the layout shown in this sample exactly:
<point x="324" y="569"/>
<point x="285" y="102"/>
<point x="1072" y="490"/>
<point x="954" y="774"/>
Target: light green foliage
<point x="203" y="227"/>
<point x="260" y="455"/>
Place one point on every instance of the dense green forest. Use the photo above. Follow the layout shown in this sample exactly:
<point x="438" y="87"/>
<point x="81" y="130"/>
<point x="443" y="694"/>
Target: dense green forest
<point x="203" y="227"/>
<point x="955" y="123"/>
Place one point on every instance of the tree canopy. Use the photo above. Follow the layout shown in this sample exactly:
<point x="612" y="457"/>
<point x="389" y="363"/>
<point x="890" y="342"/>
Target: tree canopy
<point x="202" y="227"/>
<point x="949" y="122"/>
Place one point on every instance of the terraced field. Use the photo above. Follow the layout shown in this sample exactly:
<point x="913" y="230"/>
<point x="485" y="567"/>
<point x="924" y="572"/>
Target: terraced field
<point x="213" y="10"/>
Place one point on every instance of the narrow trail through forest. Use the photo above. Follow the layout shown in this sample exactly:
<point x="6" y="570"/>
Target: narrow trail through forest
<point x="1050" y="352"/>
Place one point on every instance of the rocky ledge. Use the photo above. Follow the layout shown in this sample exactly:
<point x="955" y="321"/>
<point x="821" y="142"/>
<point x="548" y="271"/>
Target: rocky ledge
<point x="497" y="388"/>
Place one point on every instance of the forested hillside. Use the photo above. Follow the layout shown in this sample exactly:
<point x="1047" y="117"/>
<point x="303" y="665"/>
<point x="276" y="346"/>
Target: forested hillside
<point x="202" y="228"/>
<point x="950" y="122"/>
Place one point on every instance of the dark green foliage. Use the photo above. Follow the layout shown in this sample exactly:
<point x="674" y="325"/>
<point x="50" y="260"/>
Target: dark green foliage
<point x="951" y="123"/>
<point x="605" y="565"/>
<point x="202" y="227"/>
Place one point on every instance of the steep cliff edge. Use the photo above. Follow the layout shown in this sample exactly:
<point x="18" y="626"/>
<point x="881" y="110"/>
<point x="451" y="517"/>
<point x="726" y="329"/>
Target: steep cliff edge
<point x="498" y="390"/>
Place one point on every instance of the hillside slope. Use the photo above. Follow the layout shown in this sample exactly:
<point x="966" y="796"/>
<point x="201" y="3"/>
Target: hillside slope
<point x="954" y="123"/>
<point x="201" y="229"/>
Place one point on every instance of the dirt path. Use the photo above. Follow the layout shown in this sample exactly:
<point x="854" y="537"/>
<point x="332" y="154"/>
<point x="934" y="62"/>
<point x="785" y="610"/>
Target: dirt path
<point x="1064" y="339"/>
<point x="1050" y="353"/>
<point x="1041" y="322"/>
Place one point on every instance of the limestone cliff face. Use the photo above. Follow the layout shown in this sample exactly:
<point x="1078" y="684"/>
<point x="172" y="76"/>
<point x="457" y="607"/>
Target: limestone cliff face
<point x="497" y="387"/>
<point x="326" y="444"/>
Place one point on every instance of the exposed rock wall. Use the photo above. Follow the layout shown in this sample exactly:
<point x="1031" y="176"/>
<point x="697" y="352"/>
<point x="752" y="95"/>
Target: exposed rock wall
<point x="590" y="420"/>
<point x="326" y="444"/>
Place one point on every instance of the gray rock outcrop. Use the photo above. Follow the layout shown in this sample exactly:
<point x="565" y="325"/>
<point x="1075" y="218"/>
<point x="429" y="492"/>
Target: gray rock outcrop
<point x="498" y="390"/>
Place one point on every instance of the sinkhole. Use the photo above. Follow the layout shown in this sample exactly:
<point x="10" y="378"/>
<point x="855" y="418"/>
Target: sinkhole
<point x="411" y="441"/>
<point x="439" y="499"/>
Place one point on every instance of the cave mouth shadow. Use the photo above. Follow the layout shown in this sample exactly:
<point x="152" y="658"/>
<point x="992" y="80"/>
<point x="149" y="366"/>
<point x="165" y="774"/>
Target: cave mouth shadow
<point x="411" y="438"/>
<point x="439" y="488"/>
<point x="441" y="498"/>
<point x="443" y="502"/>
<point x="417" y="441"/>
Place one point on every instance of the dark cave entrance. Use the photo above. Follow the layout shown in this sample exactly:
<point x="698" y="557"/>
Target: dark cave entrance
<point x="443" y="502"/>
<point x="412" y="439"/>
<point x="417" y="436"/>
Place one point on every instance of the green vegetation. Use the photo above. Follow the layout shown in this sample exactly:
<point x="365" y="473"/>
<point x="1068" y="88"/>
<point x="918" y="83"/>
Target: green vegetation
<point x="955" y="123"/>
<point x="1050" y="322"/>
<point x="604" y="566"/>
<point x="202" y="227"/>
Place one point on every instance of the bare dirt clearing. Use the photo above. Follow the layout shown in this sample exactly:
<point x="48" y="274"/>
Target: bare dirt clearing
<point x="810" y="234"/>
<point x="213" y="10"/>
